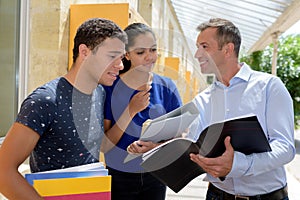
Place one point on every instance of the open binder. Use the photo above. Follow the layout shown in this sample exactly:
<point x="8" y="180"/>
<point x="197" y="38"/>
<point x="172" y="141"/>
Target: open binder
<point x="170" y="125"/>
<point x="170" y="162"/>
<point x="167" y="126"/>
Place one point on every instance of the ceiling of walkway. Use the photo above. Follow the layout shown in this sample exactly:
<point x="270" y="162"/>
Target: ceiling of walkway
<point x="258" y="20"/>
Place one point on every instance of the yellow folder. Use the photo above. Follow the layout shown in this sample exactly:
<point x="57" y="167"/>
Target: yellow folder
<point x="67" y="186"/>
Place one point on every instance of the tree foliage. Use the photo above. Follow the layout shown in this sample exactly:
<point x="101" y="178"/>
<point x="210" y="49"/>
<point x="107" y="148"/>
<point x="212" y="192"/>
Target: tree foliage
<point x="288" y="66"/>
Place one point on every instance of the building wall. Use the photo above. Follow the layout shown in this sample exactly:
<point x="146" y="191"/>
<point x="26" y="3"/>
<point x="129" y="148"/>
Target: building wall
<point x="49" y="39"/>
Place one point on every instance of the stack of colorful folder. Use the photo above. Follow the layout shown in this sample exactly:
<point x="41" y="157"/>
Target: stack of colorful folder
<point x="84" y="182"/>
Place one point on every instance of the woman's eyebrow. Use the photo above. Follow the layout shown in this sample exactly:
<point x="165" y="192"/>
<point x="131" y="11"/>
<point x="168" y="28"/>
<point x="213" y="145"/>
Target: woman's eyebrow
<point x="143" y="48"/>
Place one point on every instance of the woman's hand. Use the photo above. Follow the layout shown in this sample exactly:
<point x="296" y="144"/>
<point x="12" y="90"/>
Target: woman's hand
<point x="139" y="102"/>
<point x="139" y="146"/>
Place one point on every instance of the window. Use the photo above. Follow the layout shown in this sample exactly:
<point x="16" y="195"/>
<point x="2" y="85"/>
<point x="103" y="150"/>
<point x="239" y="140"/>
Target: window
<point x="9" y="58"/>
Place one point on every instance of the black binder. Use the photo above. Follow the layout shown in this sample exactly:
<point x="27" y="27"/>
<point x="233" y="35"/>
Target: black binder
<point x="170" y="162"/>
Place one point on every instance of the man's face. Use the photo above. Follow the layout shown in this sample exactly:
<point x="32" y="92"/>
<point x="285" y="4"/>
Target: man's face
<point x="208" y="53"/>
<point x="106" y="63"/>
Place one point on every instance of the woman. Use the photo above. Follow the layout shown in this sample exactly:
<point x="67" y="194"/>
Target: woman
<point x="136" y="96"/>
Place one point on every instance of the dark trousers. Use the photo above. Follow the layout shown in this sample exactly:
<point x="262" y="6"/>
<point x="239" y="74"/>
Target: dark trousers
<point x="136" y="186"/>
<point x="216" y="195"/>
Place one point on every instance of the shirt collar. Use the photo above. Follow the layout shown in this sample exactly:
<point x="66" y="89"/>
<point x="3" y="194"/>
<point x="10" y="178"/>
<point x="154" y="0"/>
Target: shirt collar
<point x="242" y="75"/>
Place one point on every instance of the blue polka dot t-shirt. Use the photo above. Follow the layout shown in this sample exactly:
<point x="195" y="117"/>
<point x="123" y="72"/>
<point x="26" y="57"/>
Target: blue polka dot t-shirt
<point x="70" y="125"/>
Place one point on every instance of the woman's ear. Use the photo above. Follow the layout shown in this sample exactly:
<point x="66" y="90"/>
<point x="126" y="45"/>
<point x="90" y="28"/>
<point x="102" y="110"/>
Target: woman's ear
<point x="127" y="56"/>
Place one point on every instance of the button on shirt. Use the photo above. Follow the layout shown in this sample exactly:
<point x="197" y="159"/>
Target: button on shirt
<point x="263" y="95"/>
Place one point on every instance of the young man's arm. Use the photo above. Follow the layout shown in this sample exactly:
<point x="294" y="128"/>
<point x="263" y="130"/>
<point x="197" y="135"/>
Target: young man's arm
<point x="18" y="144"/>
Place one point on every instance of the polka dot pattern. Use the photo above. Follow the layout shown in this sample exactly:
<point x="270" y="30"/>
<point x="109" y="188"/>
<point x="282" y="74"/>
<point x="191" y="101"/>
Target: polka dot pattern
<point x="69" y="122"/>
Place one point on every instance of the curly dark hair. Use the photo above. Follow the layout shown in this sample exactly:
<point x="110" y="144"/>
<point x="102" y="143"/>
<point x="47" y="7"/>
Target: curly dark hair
<point x="94" y="31"/>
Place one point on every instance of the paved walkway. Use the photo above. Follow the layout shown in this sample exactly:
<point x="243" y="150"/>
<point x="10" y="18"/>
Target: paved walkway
<point x="195" y="190"/>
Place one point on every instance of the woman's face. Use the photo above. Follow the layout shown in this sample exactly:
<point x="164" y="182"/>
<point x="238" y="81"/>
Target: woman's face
<point x="143" y="54"/>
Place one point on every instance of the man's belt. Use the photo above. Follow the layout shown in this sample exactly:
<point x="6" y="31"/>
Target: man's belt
<point x="275" y="195"/>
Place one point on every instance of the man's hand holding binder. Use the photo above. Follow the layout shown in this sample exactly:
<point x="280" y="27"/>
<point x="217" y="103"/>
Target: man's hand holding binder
<point x="171" y="163"/>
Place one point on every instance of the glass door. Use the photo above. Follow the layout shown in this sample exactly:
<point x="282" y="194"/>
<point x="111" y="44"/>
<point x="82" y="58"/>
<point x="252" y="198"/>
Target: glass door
<point x="9" y="61"/>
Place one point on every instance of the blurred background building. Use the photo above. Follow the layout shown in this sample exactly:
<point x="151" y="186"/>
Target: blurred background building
<point x="36" y="36"/>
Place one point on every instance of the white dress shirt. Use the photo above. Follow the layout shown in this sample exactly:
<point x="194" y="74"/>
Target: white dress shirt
<point x="264" y="95"/>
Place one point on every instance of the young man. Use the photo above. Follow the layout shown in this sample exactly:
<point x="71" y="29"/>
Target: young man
<point x="61" y="123"/>
<point x="238" y="91"/>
